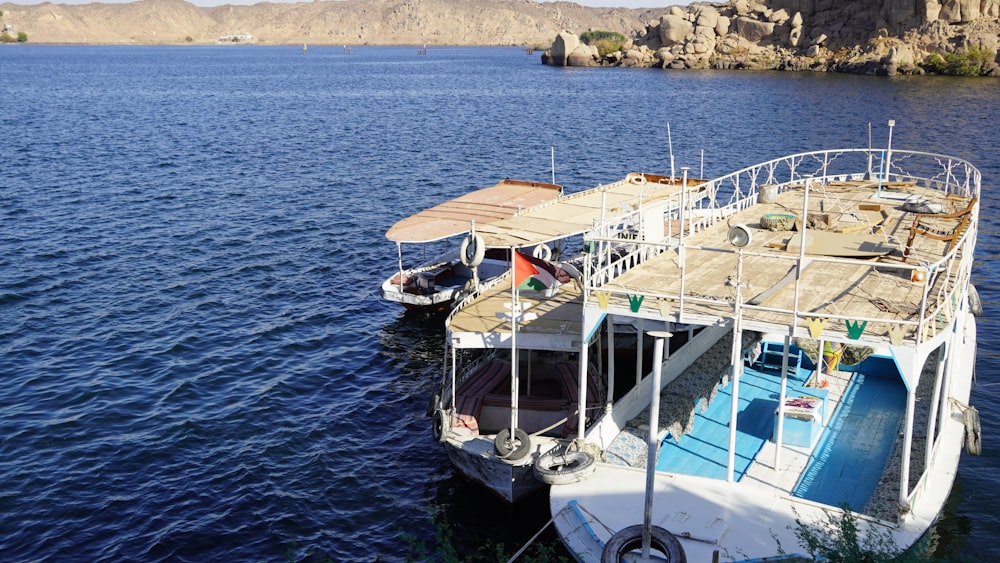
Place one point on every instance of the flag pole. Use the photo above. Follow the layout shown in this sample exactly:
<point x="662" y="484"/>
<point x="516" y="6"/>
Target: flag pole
<point x="513" y="342"/>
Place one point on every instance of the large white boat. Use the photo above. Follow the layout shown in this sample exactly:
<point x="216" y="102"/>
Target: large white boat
<point x="750" y="436"/>
<point x="432" y="285"/>
<point x="513" y="370"/>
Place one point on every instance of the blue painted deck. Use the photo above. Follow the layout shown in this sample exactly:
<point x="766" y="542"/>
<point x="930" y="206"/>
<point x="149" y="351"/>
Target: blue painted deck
<point x="852" y="453"/>
<point x="703" y="451"/>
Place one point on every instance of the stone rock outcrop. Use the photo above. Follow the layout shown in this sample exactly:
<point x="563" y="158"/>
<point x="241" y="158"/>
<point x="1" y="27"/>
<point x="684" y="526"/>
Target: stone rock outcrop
<point x="880" y="37"/>
<point x="558" y="54"/>
<point x="673" y="30"/>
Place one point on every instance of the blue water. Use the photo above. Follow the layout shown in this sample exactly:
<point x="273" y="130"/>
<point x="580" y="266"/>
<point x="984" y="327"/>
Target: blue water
<point x="195" y="362"/>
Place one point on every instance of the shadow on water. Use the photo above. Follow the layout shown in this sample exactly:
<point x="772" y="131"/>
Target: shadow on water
<point x="482" y="525"/>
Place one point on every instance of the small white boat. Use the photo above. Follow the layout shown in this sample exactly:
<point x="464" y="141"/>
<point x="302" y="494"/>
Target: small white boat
<point x="434" y="285"/>
<point x="508" y="399"/>
<point x="746" y="436"/>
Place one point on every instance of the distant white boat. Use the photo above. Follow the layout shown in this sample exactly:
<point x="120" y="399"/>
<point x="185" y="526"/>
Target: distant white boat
<point x="750" y="434"/>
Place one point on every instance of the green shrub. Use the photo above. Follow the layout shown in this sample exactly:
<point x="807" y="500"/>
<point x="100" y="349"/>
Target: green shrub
<point x="605" y="41"/>
<point x="841" y="538"/>
<point x="6" y="38"/>
<point x="22" y="37"/>
<point x="971" y="62"/>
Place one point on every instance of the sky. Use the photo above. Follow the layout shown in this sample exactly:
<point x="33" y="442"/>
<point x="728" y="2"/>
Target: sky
<point x="595" y="3"/>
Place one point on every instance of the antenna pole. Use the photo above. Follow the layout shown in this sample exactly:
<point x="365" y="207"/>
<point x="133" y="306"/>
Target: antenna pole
<point x="670" y="146"/>
<point x="553" y="150"/>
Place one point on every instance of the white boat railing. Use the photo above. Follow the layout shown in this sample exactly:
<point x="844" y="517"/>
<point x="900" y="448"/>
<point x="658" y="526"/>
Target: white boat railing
<point x="740" y="190"/>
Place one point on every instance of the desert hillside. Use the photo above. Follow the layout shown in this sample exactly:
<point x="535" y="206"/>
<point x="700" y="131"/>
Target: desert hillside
<point x="335" y="22"/>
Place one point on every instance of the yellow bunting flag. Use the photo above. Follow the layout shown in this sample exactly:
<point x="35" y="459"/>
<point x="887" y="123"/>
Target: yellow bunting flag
<point x="816" y="325"/>
<point x="896" y="334"/>
<point x="665" y="308"/>
<point x="602" y="299"/>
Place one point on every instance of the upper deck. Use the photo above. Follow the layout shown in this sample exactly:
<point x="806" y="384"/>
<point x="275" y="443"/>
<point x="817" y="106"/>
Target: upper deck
<point x="873" y="269"/>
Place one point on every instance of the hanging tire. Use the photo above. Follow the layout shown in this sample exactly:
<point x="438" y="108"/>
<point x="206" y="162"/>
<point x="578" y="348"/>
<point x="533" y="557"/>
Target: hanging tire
<point x="512" y="449"/>
<point x="439" y="428"/>
<point x="564" y="468"/>
<point x="542" y="251"/>
<point x="432" y="405"/>
<point x="975" y="304"/>
<point x="629" y="539"/>
<point x="973" y="431"/>
<point x="473" y="250"/>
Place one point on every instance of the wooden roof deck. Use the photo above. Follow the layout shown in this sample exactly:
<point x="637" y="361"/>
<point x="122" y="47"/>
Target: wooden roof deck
<point x="835" y="283"/>
<point x="553" y="323"/>
<point x="577" y="213"/>
<point x="483" y="206"/>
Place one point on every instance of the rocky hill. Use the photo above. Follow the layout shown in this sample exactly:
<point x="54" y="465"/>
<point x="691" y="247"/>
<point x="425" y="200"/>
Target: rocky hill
<point x="335" y="22"/>
<point x="858" y="36"/>
<point x="881" y="37"/>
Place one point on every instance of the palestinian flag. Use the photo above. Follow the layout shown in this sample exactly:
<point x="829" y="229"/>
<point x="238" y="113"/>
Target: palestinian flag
<point x="533" y="274"/>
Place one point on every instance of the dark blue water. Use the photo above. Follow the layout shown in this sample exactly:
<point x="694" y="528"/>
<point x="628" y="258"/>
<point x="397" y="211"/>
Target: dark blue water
<point x="195" y="363"/>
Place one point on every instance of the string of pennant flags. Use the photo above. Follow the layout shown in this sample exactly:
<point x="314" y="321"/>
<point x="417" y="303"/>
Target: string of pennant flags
<point x="855" y="328"/>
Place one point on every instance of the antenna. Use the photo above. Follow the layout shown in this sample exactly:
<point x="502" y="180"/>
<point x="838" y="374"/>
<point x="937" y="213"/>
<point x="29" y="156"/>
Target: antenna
<point x="553" y="149"/>
<point x="670" y="146"/>
<point x="868" y="175"/>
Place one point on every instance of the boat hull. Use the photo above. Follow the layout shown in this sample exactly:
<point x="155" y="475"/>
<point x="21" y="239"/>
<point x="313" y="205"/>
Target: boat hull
<point x="476" y="461"/>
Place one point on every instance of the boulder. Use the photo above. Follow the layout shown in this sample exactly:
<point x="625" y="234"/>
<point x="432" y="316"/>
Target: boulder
<point x="700" y="45"/>
<point x="795" y="36"/>
<point x="779" y="16"/>
<point x="896" y="12"/>
<point x="673" y="29"/>
<point x="583" y="55"/>
<point x="932" y="10"/>
<point x="959" y="11"/>
<point x="564" y="44"/>
<point x="664" y="56"/>
<point x="753" y="30"/>
<point x="705" y="16"/>
<point x="635" y="58"/>
<point x="722" y="26"/>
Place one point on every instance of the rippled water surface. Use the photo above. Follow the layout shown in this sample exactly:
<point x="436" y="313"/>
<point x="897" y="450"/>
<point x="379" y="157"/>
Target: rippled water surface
<point x="196" y="364"/>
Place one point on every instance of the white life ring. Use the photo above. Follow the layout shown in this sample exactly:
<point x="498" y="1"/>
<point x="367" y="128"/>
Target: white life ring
<point x="542" y="251"/>
<point x="638" y="179"/>
<point x="473" y="250"/>
<point x="564" y="468"/>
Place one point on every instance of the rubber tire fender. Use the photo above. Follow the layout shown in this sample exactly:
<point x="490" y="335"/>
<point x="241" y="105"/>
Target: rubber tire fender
<point x="630" y="538"/>
<point x="975" y="304"/>
<point x="564" y="468"/>
<point x="473" y="250"/>
<point x="973" y="431"/>
<point x="439" y="427"/>
<point x="512" y="449"/>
